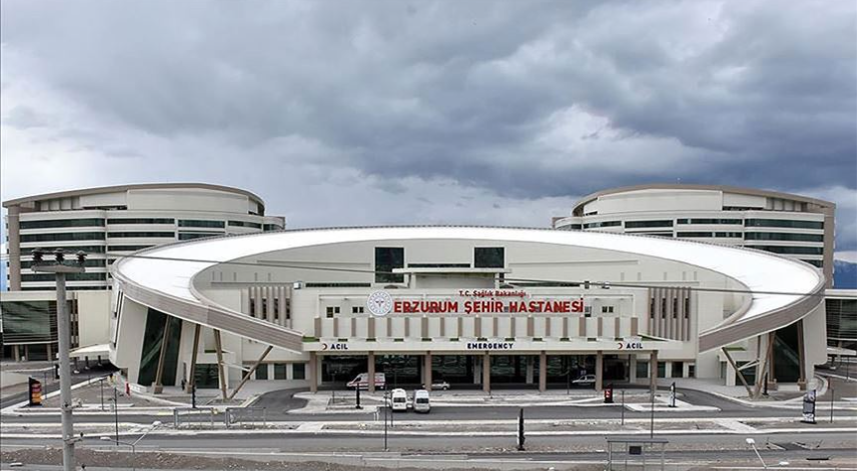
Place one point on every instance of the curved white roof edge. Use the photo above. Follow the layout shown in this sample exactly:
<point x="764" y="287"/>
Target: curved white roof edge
<point x="170" y="276"/>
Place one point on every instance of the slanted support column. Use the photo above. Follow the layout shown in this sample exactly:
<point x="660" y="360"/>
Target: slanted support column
<point x="370" y="363"/>
<point x="427" y="371"/>
<point x="599" y="370"/>
<point x="191" y="381"/>
<point x="653" y="374"/>
<point x="221" y="372"/>
<point x="543" y="369"/>
<point x="250" y="372"/>
<point x="159" y="373"/>
<point x="801" y="348"/>
<point x="486" y="372"/>
<point x="313" y="372"/>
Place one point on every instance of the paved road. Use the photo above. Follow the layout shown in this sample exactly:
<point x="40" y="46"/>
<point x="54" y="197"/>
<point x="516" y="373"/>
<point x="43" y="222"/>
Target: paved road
<point x="50" y="385"/>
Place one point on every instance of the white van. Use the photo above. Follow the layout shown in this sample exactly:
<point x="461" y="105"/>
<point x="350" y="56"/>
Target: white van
<point x="421" y="401"/>
<point x="400" y="400"/>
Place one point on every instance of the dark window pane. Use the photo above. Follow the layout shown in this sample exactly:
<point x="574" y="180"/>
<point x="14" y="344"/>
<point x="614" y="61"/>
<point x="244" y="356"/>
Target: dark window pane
<point x="386" y="259"/>
<point x="200" y="223"/>
<point x="47" y="224"/>
<point x="489" y="257"/>
<point x="62" y="236"/>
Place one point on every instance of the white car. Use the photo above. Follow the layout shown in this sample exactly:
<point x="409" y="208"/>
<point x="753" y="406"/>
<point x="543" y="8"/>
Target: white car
<point x="585" y="380"/>
<point x="440" y="385"/>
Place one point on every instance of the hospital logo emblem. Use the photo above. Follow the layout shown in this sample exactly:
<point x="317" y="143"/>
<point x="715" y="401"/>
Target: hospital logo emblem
<point x="379" y="303"/>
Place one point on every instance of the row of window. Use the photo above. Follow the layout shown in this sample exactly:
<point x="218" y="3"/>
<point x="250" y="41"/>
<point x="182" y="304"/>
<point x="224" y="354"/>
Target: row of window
<point x="127" y="248"/>
<point x="87" y="263"/>
<point x="817" y="263"/>
<point x="141" y="221"/>
<point x="271" y="227"/>
<point x="709" y="221"/>
<point x="593" y="225"/>
<point x="55" y="223"/>
<point x="198" y="235"/>
<point x="254" y="225"/>
<point x="201" y="223"/>
<point x="781" y="236"/>
<point x="68" y="277"/>
<point x="783" y="223"/>
<point x="280" y="370"/>
<point x="789" y="250"/>
<point x="67" y="249"/>
<point x="709" y="234"/>
<point x="643" y="224"/>
<point x="69" y="236"/>
<point x="676" y="369"/>
<point x="664" y="308"/>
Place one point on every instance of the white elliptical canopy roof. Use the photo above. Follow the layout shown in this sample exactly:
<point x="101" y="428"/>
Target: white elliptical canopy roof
<point x="171" y="273"/>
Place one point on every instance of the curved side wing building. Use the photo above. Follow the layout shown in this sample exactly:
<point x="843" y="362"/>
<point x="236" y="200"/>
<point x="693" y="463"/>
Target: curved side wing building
<point x="469" y="305"/>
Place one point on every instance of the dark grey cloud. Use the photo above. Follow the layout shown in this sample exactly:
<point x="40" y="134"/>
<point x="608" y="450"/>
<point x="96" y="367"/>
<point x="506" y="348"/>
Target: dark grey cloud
<point x="522" y="100"/>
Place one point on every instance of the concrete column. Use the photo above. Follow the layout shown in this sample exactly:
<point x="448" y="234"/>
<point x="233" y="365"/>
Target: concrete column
<point x="313" y="372"/>
<point x="477" y="372"/>
<point x="801" y="348"/>
<point x="632" y="367"/>
<point x="50" y="352"/>
<point x="427" y="371"/>
<point x="530" y="370"/>
<point x="13" y="227"/>
<point x="599" y="370"/>
<point x="370" y="363"/>
<point x="486" y="372"/>
<point x="653" y="373"/>
<point x="543" y="370"/>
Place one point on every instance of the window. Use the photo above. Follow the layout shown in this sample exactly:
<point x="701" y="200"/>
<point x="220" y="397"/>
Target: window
<point x="691" y="371"/>
<point x="662" y="369"/>
<point x="387" y="259"/>
<point x="141" y="234"/>
<point x="264" y="313"/>
<point x="252" y="307"/>
<point x="262" y="371"/>
<point x="62" y="236"/>
<point x="663" y="308"/>
<point x="489" y="257"/>
<point x="48" y="224"/>
<point x="299" y="371"/>
<point x="254" y="225"/>
<point x="642" y="369"/>
<point x="781" y="236"/>
<point x="783" y="223"/>
<point x="817" y="263"/>
<point x="276" y="309"/>
<point x="595" y="225"/>
<point x="141" y="221"/>
<point x="728" y="234"/>
<point x="438" y="265"/>
<point x="357" y="309"/>
<point x="607" y="309"/>
<point x="789" y="250"/>
<point x="642" y="224"/>
<point x="694" y="234"/>
<point x="675" y="308"/>
<point x="332" y="311"/>
<point x="280" y="370"/>
<point x="677" y="369"/>
<point x="271" y="227"/>
<point x="198" y="235"/>
<point x="652" y="308"/>
<point x="687" y="308"/>
<point x="200" y="223"/>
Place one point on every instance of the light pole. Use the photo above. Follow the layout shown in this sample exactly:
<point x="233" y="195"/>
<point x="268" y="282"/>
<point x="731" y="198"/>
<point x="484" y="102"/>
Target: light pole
<point x="60" y="268"/>
<point x="752" y="443"/>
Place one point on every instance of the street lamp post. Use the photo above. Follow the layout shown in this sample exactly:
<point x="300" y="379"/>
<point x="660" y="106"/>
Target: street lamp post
<point x="60" y="268"/>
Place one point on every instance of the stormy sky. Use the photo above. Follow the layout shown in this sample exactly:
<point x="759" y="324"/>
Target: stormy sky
<point x="381" y="112"/>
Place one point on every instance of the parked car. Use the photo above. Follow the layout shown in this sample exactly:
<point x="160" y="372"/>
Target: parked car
<point x="362" y="381"/>
<point x="441" y="385"/>
<point x="585" y="380"/>
<point x="400" y="400"/>
<point x="421" y="401"/>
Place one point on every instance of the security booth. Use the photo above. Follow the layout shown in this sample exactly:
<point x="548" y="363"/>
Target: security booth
<point x="635" y="453"/>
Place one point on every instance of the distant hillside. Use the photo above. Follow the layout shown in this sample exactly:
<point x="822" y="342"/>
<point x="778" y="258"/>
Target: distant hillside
<point x="845" y="275"/>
